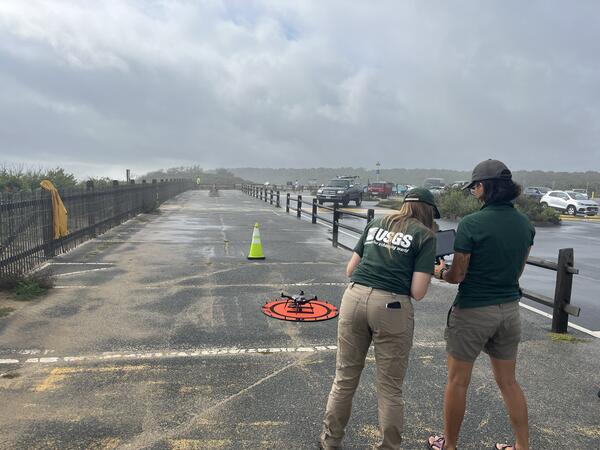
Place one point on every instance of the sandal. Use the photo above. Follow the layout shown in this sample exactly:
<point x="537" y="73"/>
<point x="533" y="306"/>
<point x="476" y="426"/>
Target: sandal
<point x="436" y="442"/>
<point x="504" y="447"/>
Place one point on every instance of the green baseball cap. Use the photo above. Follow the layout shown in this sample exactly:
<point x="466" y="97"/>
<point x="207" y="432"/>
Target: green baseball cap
<point x="424" y="196"/>
<point x="490" y="169"/>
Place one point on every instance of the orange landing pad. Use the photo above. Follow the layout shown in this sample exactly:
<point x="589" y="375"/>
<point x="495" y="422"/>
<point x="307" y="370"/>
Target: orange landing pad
<point x="312" y="311"/>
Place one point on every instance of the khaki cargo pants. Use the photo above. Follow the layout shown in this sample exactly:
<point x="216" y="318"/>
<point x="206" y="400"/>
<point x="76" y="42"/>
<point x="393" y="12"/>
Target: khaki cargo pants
<point x="363" y="318"/>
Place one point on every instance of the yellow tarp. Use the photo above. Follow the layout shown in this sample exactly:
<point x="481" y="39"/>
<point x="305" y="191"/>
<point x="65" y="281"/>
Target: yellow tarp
<point x="59" y="212"/>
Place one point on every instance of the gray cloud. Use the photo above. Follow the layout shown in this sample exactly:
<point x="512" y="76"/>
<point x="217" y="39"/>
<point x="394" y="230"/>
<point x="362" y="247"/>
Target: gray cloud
<point x="99" y="86"/>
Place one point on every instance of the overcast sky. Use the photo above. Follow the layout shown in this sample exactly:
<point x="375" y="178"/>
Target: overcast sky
<point x="100" y="86"/>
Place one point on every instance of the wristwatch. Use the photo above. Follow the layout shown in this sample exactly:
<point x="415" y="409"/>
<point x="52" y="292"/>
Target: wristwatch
<point x="442" y="271"/>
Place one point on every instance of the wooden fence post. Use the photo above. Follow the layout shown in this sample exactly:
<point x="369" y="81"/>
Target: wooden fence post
<point x="336" y="225"/>
<point x="370" y="215"/>
<point x="562" y="291"/>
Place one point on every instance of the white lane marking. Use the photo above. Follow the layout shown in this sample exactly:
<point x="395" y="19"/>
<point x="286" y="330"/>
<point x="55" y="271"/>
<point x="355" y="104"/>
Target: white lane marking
<point x="81" y="271"/>
<point x="52" y="263"/>
<point x="572" y="325"/>
<point x="71" y="287"/>
<point x="259" y="285"/>
<point x="9" y="361"/>
<point x="163" y="354"/>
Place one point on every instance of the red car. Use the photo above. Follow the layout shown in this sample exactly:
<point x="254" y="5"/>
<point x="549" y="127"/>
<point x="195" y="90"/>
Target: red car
<point x="381" y="189"/>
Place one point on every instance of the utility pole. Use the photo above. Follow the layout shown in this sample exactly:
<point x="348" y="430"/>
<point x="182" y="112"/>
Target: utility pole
<point x="377" y="171"/>
<point x="128" y="175"/>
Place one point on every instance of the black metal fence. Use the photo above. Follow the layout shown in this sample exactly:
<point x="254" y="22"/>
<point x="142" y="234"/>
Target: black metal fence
<point x="560" y="303"/>
<point x="26" y="226"/>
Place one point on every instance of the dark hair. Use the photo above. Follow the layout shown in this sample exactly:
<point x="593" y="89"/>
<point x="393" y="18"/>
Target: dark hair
<point x="500" y="190"/>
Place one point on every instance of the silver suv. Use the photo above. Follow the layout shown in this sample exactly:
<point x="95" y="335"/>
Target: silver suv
<point x="572" y="203"/>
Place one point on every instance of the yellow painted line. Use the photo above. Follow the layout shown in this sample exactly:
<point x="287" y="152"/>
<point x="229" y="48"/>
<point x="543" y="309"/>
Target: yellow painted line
<point x="580" y="219"/>
<point x="59" y="374"/>
<point x="195" y="444"/>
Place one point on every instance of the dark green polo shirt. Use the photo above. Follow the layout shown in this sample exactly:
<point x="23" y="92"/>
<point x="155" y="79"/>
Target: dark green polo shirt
<point x="388" y="260"/>
<point x="497" y="237"/>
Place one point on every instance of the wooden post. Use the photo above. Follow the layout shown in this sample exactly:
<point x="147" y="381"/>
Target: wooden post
<point x="314" y="210"/>
<point x="299" y="204"/>
<point x="562" y="291"/>
<point x="278" y="204"/>
<point x="370" y="215"/>
<point x="287" y="203"/>
<point x="336" y="225"/>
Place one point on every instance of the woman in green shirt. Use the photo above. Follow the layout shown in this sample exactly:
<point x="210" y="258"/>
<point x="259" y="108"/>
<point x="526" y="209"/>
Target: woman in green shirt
<point x="491" y="248"/>
<point x="392" y="262"/>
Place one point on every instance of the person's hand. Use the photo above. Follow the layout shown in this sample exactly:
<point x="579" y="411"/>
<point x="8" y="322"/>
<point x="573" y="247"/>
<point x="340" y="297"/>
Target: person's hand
<point x="438" y="267"/>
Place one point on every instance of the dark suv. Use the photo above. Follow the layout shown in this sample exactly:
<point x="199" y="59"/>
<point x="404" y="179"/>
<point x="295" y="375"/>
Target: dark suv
<point x="342" y="190"/>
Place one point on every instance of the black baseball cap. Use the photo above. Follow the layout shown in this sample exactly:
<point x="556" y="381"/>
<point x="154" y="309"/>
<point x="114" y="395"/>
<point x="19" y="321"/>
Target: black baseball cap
<point x="490" y="169"/>
<point x="424" y="196"/>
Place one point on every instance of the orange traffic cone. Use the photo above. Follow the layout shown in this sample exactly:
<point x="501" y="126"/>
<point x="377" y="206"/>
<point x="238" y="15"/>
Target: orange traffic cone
<point x="256" y="251"/>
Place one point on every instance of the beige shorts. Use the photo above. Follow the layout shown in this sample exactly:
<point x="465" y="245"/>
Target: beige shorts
<point x="495" y="329"/>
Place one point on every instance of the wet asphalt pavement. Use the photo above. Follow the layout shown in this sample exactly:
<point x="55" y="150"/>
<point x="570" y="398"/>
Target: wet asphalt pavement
<point x="154" y="338"/>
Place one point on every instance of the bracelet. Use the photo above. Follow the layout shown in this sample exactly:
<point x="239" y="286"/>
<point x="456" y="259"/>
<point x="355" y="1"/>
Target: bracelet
<point x="442" y="272"/>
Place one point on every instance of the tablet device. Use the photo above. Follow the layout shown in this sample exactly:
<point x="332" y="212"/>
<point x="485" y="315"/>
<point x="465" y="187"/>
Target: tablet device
<point x="445" y="243"/>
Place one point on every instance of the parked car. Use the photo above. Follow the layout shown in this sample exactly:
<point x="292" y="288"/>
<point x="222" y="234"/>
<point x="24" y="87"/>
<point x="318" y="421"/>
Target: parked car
<point x="381" y="189"/>
<point x="543" y="189"/>
<point x="342" y="189"/>
<point x="458" y="184"/>
<point x="582" y="192"/>
<point x="435" y="185"/>
<point x="400" y="189"/>
<point x="570" y="202"/>
<point x="533" y="192"/>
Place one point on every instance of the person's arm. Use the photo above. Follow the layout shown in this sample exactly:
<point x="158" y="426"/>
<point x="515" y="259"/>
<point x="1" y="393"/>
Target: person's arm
<point x="419" y="285"/>
<point x="352" y="264"/>
<point x="525" y="262"/>
<point x="458" y="270"/>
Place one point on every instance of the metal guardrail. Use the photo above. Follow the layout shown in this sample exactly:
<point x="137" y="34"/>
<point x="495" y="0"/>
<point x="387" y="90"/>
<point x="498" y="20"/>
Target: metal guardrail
<point x="560" y="304"/>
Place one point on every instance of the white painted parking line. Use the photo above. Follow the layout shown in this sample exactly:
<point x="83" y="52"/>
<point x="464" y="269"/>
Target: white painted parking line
<point x="81" y="271"/>
<point x="9" y="361"/>
<point x="206" y="352"/>
<point x="257" y="285"/>
<point x="53" y="263"/>
<point x="572" y="325"/>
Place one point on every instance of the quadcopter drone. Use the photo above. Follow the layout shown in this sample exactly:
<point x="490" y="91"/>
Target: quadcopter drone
<point x="299" y="303"/>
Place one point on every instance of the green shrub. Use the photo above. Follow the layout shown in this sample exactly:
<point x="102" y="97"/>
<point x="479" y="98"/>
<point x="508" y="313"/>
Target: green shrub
<point x="26" y="287"/>
<point x="536" y="211"/>
<point x="455" y="203"/>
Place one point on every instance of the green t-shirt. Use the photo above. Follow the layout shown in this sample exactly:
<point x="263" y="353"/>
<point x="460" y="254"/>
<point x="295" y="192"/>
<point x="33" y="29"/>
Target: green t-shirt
<point x="388" y="260"/>
<point x="497" y="237"/>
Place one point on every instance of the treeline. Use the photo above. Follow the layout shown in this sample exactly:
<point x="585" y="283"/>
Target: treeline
<point x="17" y="179"/>
<point x="21" y="179"/>
<point x="218" y="176"/>
<point x="555" y="180"/>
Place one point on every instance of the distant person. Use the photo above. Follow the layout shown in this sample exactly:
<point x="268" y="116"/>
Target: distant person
<point x="392" y="262"/>
<point x="491" y="248"/>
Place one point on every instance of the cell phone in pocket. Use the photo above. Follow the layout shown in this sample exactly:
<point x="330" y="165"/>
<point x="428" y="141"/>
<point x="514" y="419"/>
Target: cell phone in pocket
<point x="393" y="305"/>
